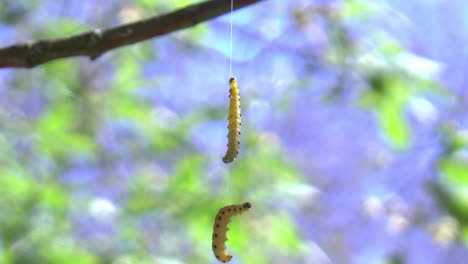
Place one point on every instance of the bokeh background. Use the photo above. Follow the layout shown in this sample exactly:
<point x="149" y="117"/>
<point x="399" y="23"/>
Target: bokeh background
<point x="354" y="143"/>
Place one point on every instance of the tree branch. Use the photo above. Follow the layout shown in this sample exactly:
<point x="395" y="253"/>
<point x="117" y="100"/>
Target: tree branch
<point x="96" y="42"/>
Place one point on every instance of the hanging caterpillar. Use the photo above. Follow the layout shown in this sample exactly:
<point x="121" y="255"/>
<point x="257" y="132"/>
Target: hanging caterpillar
<point x="234" y="126"/>
<point x="220" y="229"/>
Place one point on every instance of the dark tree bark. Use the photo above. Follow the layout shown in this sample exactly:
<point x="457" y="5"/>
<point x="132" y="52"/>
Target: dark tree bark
<point x="96" y="42"/>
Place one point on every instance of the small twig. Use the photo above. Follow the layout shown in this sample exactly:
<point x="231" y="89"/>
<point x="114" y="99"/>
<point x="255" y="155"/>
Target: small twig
<point x="96" y="42"/>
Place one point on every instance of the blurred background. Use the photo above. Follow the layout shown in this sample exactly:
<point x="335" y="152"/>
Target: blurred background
<point x="354" y="135"/>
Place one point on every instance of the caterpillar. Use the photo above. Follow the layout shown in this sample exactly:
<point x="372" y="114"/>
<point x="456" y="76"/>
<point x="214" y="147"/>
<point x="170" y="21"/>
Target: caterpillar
<point x="234" y="124"/>
<point x="220" y="229"/>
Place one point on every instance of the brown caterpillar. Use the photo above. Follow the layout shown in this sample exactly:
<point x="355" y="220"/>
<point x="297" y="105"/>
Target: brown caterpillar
<point x="234" y="119"/>
<point x="220" y="229"/>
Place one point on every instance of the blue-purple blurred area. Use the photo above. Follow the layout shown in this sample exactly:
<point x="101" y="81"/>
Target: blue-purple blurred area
<point x="354" y="145"/>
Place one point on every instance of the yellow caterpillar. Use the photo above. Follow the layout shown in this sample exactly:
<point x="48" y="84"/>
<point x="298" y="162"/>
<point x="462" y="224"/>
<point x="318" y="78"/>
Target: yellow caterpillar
<point x="234" y="125"/>
<point x="220" y="229"/>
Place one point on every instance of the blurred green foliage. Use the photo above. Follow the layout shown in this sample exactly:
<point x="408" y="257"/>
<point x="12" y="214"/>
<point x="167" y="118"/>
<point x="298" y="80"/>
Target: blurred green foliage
<point x="164" y="211"/>
<point x="36" y="219"/>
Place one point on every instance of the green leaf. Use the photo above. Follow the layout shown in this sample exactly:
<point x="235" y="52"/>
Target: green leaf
<point x="201" y="227"/>
<point x="58" y="119"/>
<point x="64" y="250"/>
<point x="128" y="73"/>
<point x="16" y="202"/>
<point x="464" y="234"/>
<point x="393" y="96"/>
<point x="56" y="131"/>
<point x="64" y="77"/>
<point x="148" y="4"/>
<point x="359" y="8"/>
<point x="54" y="197"/>
<point x="15" y="184"/>
<point x="460" y="140"/>
<point x="453" y="198"/>
<point x="394" y="125"/>
<point x="183" y="3"/>
<point x="142" y="196"/>
<point x="284" y="234"/>
<point x="61" y="27"/>
<point x="187" y="175"/>
<point x="455" y="170"/>
<point x="124" y="105"/>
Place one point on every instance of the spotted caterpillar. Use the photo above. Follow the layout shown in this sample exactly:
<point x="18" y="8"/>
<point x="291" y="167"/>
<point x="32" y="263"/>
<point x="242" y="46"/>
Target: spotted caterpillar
<point x="220" y="229"/>
<point x="234" y="125"/>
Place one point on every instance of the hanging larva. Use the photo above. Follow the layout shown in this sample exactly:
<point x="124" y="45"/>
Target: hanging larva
<point x="234" y="122"/>
<point x="220" y="229"/>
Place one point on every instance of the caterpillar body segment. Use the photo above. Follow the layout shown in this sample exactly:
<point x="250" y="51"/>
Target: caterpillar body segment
<point x="220" y="229"/>
<point x="234" y="122"/>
